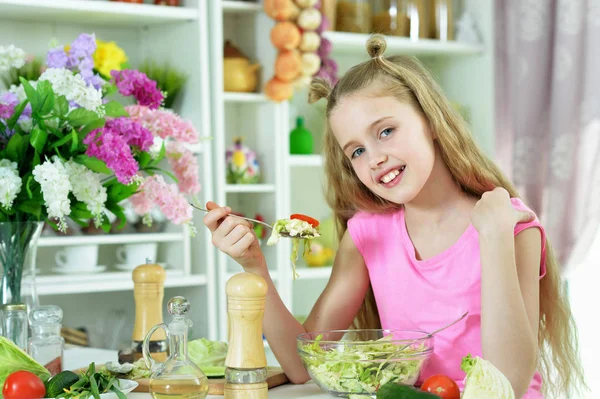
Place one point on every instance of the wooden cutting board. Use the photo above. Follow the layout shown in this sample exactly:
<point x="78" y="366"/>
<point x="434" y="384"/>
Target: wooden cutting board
<point x="275" y="378"/>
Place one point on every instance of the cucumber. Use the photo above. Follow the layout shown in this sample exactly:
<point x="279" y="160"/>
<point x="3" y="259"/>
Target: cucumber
<point x="213" y="371"/>
<point x="61" y="381"/>
<point x="392" y="390"/>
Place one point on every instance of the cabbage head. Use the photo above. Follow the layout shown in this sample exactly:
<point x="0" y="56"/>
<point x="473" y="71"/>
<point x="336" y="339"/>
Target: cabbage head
<point x="484" y="380"/>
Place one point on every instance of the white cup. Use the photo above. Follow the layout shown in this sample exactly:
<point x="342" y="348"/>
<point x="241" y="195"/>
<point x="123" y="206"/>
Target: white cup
<point x="137" y="254"/>
<point x="77" y="257"/>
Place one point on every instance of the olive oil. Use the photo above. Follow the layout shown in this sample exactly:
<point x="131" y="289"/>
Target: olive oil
<point x="178" y="388"/>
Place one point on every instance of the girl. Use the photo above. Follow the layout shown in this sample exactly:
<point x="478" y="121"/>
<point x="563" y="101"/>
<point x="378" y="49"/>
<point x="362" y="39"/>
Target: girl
<point x="429" y="228"/>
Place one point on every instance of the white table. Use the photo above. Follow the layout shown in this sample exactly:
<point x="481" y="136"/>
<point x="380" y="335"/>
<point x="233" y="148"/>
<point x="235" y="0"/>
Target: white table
<point x="81" y="357"/>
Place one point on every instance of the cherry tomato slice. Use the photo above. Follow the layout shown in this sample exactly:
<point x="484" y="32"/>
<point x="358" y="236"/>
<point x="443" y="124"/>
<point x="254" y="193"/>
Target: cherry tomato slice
<point x="308" y="219"/>
<point x="442" y="386"/>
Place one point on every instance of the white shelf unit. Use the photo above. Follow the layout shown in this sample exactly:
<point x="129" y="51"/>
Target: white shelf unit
<point x="257" y="120"/>
<point x="143" y="31"/>
<point x="466" y="73"/>
<point x="354" y="43"/>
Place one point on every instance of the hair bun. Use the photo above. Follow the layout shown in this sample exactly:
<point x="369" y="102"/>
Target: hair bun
<point x="376" y="45"/>
<point x="319" y="88"/>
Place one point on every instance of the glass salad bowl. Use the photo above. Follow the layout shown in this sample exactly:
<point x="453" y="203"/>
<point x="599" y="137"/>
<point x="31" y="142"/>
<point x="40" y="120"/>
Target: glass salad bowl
<point x="358" y="362"/>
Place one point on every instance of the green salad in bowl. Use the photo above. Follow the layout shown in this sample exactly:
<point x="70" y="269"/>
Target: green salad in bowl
<point x="346" y="362"/>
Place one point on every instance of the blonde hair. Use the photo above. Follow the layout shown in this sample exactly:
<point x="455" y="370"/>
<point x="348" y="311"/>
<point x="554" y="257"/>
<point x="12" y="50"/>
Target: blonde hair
<point x="406" y="79"/>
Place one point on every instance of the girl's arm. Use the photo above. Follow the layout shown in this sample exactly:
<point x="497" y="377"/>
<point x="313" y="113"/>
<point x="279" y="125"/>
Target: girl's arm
<point x="510" y="268"/>
<point x="335" y="309"/>
<point x="510" y="303"/>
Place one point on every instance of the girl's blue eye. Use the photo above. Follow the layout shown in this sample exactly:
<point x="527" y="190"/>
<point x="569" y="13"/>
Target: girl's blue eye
<point x="386" y="132"/>
<point x="357" y="152"/>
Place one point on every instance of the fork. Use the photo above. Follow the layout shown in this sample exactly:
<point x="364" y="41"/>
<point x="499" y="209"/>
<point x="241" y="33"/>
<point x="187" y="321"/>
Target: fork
<point x="237" y="216"/>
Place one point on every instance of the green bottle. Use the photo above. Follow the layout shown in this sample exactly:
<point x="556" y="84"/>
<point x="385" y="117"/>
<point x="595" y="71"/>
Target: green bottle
<point x="301" y="139"/>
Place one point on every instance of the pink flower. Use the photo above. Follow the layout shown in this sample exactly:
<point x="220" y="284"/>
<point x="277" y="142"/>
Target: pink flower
<point x="155" y="191"/>
<point x="132" y="132"/>
<point x="185" y="166"/>
<point x="163" y="123"/>
<point x="136" y="83"/>
<point x="112" y="148"/>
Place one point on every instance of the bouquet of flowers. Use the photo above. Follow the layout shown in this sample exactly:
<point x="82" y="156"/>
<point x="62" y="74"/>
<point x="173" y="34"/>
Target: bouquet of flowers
<point x="67" y="150"/>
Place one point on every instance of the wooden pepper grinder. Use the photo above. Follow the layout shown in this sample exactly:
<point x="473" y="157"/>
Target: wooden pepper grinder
<point x="246" y="362"/>
<point x="148" y="292"/>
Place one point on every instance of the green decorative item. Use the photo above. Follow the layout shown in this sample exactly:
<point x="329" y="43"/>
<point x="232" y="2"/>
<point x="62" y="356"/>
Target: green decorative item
<point x="301" y="139"/>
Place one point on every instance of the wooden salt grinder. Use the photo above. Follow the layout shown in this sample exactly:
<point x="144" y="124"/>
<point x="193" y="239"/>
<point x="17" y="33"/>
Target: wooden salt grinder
<point x="246" y="294"/>
<point x="148" y="292"/>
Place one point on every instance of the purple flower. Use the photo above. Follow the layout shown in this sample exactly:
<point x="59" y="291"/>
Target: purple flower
<point x="136" y="83"/>
<point x="325" y="48"/>
<point x="8" y="102"/>
<point x="57" y="58"/>
<point x="132" y="132"/>
<point x="82" y="47"/>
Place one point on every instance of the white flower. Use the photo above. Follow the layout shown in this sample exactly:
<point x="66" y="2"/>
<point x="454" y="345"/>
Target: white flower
<point x="11" y="57"/>
<point x="88" y="189"/>
<point x="20" y="90"/>
<point x="54" y="179"/>
<point x="156" y="146"/>
<point x="10" y="183"/>
<point x="74" y="88"/>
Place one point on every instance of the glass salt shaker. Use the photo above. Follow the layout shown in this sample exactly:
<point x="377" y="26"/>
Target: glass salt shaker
<point x="14" y="324"/>
<point x="46" y="345"/>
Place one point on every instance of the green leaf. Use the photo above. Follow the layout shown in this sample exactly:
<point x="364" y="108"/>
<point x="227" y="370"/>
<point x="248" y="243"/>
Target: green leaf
<point x="13" y="148"/>
<point x="36" y="160"/>
<point x="81" y="116"/>
<point x="62" y="141"/>
<point x="93" y="163"/>
<point x="80" y="210"/>
<point x="12" y="121"/>
<point x="119" y="191"/>
<point x="44" y="89"/>
<point x="171" y="175"/>
<point x="38" y="139"/>
<point x="93" y="125"/>
<point x="115" y="109"/>
<point x="32" y="95"/>
<point x="74" y="141"/>
<point x="61" y="107"/>
<point x="28" y="186"/>
<point x="118" y="211"/>
<point x="30" y="206"/>
<point x="144" y="159"/>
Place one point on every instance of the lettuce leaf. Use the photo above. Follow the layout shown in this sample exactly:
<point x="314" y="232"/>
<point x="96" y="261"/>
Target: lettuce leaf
<point x="13" y="358"/>
<point x="207" y="353"/>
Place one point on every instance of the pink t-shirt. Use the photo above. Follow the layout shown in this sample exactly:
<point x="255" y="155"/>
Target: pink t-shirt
<point x="428" y="294"/>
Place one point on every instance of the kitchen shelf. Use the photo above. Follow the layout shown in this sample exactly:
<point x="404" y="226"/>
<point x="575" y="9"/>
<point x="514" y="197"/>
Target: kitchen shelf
<point x="305" y="160"/>
<point x="109" y="239"/>
<point x="107" y="282"/>
<point x="249" y="188"/>
<point x="230" y="97"/>
<point x="313" y="273"/>
<point x="87" y="12"/>
<point x="344" y="42"/>
<point x="240" y="7"/>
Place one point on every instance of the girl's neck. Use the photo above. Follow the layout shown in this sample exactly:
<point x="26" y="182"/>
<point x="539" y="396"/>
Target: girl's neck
<point x="440" y="197"/>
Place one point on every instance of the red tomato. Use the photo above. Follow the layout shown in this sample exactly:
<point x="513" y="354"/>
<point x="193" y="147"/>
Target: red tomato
<point x="23" y="385"/>
<point x="313" y="222"/>
<point x="442" y="386"/>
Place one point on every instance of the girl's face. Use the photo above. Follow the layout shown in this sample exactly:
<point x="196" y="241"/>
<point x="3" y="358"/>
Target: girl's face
<point x="388" y="143"/>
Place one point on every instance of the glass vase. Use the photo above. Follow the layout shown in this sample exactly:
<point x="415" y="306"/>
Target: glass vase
<point x="18" y="251"/>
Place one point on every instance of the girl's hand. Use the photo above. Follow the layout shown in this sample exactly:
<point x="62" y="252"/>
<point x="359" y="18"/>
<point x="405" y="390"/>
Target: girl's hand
<point x="234" y="236"/>
<point x="495" y="213"/>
